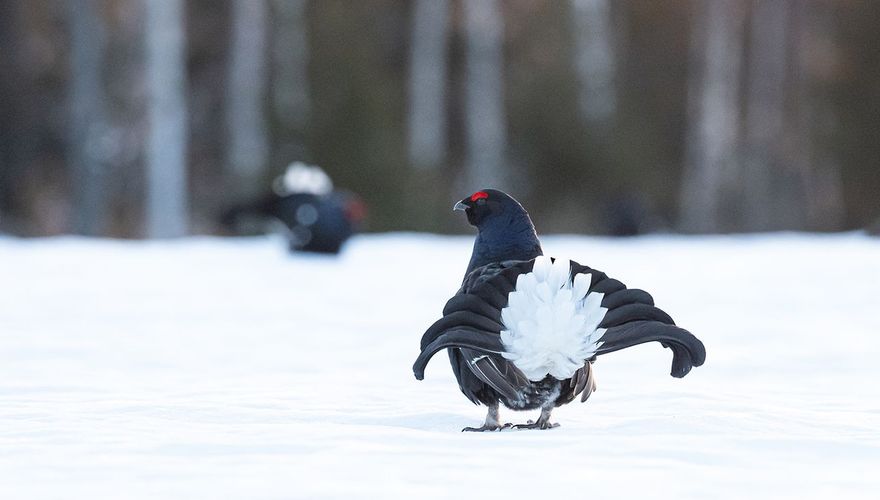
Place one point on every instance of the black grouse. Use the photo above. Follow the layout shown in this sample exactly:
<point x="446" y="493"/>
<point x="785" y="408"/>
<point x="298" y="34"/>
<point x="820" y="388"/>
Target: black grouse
<point x="315" y="217"/>
<point x="524" y="329"/>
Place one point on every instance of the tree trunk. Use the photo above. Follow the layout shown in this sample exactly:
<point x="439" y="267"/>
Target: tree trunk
<point x="166" y="148"/>
<point x="767" y="203"/>
<point x="711" y="166"/>
<point x="810" y="135"/>
<point x="427" y="83"/>
<point x="485" y="125"/>
<point x="247" y="141"/>
<point x="87" y="124"/>
<point x="290" y="82"/>
<point x="595" y="61"/>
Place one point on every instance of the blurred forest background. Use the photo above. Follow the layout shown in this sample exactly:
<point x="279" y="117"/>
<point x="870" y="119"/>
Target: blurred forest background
<point x="146" y="118"/>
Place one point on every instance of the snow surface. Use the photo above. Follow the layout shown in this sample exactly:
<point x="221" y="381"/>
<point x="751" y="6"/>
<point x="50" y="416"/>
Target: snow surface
<point x="225" y="368"/>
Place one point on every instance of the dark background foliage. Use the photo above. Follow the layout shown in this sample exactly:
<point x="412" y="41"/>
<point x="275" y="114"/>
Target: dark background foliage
<point x="573" y="175"/>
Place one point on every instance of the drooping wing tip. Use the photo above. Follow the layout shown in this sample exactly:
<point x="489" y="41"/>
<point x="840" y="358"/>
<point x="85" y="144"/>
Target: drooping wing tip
<point x="685" y="357"/>
<point x="687" y="350"/>
<point x="419" y="369"/>
<point x="702" y="356"/>
<point x="681" y="370"/>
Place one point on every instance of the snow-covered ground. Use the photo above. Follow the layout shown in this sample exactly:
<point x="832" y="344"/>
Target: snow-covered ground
<point x="226" y="368"/>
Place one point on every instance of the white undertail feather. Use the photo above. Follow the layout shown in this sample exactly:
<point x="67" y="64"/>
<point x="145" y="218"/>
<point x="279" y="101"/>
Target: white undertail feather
<point x="551" y="322"/>
<point x="302" y="178"/>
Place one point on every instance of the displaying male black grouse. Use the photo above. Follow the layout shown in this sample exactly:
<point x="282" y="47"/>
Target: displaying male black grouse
<point x="316" y="217"/>
<point x="524" y="329"/>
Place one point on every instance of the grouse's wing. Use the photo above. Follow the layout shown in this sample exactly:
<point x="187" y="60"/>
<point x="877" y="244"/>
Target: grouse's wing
<point x="471" y="327"/>
<point x="472" y="323"/>
<point x="633" y="319"/>
<point x="260" y="208"/>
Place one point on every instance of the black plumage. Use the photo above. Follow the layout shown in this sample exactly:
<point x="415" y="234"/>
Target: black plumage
<point x="470" y="329"/>
<point x="314" y="222"/>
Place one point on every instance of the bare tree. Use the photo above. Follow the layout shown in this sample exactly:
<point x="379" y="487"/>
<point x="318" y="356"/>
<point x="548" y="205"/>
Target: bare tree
<point x="166" y="149"/>
<point x="711" y="165"/>
<point x="247" y="141"/>
<point x="290" y="83"/>
<point x="810" y="122"/>
<point x="785" y="182"/>
<point x="485" y="122"/>
<point x="427" y="83"/>
<point x="87" y="124"/>
<point x="595" y="60"/>
<point x="765" y="118"/>
<point x="773" y="175"/>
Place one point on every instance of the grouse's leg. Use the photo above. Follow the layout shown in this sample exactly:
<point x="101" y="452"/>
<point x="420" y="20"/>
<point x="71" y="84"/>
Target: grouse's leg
<point x="492" y="423"/>
<point x="542" y="423"/>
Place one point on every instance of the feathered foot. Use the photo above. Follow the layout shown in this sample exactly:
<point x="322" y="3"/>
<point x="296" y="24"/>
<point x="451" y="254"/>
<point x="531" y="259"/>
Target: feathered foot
<point x="492" y="423"/>
<point x="487" y="427"/>
<point x="542" y="423"/>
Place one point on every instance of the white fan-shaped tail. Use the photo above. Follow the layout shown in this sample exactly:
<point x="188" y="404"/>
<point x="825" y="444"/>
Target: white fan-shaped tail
<point x="551" y="321"/>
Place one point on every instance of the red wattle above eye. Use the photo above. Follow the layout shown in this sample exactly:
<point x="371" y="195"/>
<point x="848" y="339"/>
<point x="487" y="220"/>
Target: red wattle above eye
<point x="479" y="195"/>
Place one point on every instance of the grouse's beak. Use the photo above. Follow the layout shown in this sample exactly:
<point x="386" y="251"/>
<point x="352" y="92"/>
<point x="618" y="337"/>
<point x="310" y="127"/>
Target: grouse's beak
<point x="460" y="206"/>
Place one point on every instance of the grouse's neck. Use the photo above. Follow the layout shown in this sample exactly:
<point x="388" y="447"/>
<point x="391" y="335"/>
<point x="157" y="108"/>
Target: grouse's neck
<point x="513" y="239"/>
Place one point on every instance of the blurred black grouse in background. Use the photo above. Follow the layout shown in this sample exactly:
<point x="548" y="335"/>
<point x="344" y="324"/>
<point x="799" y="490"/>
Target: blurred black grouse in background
<point x="524" y="329"/>
<point x="315" y="217"/>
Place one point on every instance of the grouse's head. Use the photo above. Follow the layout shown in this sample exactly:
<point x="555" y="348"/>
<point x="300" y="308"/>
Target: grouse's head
<point x="490" y="206"/>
